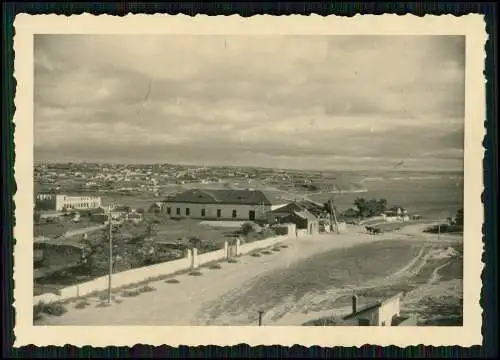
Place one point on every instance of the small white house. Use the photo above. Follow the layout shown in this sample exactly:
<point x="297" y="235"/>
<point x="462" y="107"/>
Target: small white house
<point x="396" y="213"/>
<point x="379" y="314"/>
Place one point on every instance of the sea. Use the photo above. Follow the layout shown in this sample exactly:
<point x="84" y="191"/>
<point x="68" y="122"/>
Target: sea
<point x="431" y="195"/>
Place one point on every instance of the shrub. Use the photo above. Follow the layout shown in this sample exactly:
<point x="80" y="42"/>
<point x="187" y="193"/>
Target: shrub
<point x="232" y="261"/>
<point x="246" y="229"/>
<point x="130" y="293"/>
<point x="53" y="309"/>
<point x="82" y="304"/>
<point x="283" y="246"/>
<point x="172" y="281"/>
<point x="215" y="266"/>
<point x="104" y="297"/>
<point x="195" y="273"/>
<point x="255" y="254"/>
<point x="266" y="252"/>
<point x="118" y="301"/>
<point x="276" y="249"/>
<point x="146" y="288"/>
<point x="37" y="312"/>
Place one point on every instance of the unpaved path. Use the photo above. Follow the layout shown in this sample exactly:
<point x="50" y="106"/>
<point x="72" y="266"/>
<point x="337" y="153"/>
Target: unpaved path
<point x="319" y="303"/>
<point x="181" y="304"/>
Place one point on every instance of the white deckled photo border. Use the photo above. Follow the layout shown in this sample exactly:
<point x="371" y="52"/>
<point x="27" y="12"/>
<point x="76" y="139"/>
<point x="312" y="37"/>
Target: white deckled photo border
<point x="472" y="26"/>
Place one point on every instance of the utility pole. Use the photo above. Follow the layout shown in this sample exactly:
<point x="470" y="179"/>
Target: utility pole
<point x="110" y="245"/>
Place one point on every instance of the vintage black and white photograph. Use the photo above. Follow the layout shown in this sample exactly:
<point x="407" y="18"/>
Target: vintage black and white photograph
<point x="249" y="179"/>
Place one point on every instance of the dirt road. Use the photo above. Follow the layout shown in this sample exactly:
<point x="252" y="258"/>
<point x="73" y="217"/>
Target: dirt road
<point x="184" y="303"/>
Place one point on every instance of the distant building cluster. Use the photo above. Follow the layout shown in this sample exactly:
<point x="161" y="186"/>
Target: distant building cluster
<point x="59" y="202"/>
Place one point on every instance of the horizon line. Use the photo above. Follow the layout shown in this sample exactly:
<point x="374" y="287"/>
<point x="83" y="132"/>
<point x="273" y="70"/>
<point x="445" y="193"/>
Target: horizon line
<point x="244" y="166"/>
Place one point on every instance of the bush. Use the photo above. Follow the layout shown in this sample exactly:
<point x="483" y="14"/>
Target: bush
<point x="276" y="249"/>
<point x="247" y="229"/>
<point x="255" y="254"/>
<point x="232" y="261"/>
<point x="53" y="309"/>
<point x="266" y="252"/>
<point x="172" y="281"/>
<point x="130" y="293"/>
<point x="195" y="273"/>
<point x="283" y="246"/>
<point x="146" y="288"/>
<point x="215" y="267"/>
<point x="82" y="304"/>
<point x="104" y="297"/>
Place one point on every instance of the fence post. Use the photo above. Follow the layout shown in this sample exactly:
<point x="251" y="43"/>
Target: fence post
<point x="190" y="258"/>
<point x="195" y="258"/>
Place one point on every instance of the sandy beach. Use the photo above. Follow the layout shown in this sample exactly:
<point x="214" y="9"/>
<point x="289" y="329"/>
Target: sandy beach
<point x="188" y="302"/>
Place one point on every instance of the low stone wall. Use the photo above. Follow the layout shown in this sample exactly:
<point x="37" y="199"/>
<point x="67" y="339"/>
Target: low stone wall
<point x="192" y="260"/>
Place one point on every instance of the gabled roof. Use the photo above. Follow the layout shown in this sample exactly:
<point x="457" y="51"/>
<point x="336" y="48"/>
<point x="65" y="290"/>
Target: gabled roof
<point x="300" y="206"/>
<point x="306" y="215"/>
<point x="303" y="209"/>
<point x="223" y="196"/>
<point x="287" y="209"/>
<point x="372" y="306"/>
<point x="363" y="310"/>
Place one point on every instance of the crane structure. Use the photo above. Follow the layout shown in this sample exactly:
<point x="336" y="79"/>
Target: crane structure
<point x="333" y="216"/>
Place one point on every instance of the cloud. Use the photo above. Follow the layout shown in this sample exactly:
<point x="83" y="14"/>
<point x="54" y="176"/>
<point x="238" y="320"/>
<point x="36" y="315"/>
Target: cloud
<point x="243" y="99"/>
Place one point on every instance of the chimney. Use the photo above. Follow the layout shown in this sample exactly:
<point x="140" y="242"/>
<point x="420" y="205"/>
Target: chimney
<point x="354" y="304"/>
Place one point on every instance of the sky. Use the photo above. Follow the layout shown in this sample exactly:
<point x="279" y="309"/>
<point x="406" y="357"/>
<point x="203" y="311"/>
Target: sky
<point x="307" y="102"/>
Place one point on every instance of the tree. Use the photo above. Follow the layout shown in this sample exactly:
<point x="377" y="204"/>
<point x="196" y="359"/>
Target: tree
<point x="247" y="229"/>
<point x="372" y="207"/>
<point x="360" y="204"/>
<point x="350" y="213"/>
<point x="382" y="206"/>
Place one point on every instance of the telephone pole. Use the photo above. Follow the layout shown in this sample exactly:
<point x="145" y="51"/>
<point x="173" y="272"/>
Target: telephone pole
<point x="110" y="245"/>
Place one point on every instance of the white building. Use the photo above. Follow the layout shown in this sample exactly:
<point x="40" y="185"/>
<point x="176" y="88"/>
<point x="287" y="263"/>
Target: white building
<point x="221" y="204"/>
<point x="382" y="313"/>
<point x="60" y="202"/>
